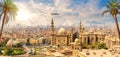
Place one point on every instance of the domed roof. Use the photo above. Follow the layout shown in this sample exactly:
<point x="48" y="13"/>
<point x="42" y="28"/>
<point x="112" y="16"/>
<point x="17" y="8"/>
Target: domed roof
<point x="61" y="31"/>
<point x="76" y="40"/>
<point x="91" y="31"/>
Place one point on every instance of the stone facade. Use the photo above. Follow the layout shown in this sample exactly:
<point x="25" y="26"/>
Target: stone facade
<point x="92" y="38"/>
<point x="63" y="39"/>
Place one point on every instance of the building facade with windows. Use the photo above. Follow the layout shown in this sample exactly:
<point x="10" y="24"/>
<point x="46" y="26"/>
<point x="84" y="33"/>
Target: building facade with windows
<point x="63" y="38"/>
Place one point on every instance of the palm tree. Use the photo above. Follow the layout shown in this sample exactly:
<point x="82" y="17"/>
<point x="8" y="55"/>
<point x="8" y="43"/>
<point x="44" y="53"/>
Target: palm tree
<point x="8" y="11"/>
<point x="113" y="8"/>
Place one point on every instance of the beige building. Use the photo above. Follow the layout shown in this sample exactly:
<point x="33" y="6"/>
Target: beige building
<point x="63" y="38"/>
<point x="90" y="37"/>
<point x="112" y="41"/>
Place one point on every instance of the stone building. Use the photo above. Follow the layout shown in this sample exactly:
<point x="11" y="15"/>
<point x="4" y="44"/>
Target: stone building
<point x="90" y="37"/>
<point x="76" y="45"/>
<point x="64" y="38"/>
<point x="112" y="41"/>
<point x="61" y="38"/>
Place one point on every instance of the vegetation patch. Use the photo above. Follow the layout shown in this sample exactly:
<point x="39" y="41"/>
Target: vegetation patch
<point x="13" y="51"/>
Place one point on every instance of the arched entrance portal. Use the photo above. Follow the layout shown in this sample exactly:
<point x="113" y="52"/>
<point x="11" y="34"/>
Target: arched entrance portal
<point x="88" y="40"/>
<point x="75" y="35"/>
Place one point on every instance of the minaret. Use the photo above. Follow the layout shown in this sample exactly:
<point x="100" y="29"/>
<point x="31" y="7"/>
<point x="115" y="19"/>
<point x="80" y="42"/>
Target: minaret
<point x="71" y="35"/>
<point x="72" y="29"/>
<point x="81" y="29"/>
<point x="52" y="27"/>
<point x="52" y="32"/>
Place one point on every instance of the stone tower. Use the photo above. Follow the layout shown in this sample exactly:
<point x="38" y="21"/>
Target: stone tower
<point x="72" y="29"/>
<point x="52" y="33"/>
<point x="52" y="27"/>
<point x="70" y="36"/>
<point x="81" y="29"/>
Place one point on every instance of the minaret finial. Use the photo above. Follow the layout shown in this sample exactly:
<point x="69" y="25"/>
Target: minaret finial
<point x="80" y="22"/>
<point x="52" y="22"/>
<point x="81" y="29"/>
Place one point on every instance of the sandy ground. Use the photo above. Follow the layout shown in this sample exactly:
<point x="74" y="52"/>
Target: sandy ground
<point x="99" y="53"/>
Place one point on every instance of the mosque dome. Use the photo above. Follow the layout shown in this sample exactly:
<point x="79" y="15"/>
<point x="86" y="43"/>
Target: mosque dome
<point x="76" y="41"/>
<point x="91" y="31"/>
<point x="61" y="31"/>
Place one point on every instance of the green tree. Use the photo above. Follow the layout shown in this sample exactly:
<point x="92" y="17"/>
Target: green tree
<point x="8" y="11"/>
<point x="84" y="46"/>
<point x="101" y="46"/>
<point x="113" y="7"/>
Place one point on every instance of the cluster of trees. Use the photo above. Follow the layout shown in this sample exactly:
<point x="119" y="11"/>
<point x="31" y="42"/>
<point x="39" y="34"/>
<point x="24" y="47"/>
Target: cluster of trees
<point x="12" y="51"/>
<point x="94" y="46"/>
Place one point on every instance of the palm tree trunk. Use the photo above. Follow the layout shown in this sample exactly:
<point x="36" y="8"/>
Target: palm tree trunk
<point x="117" y="25"/>
<point x="3" y="22"/>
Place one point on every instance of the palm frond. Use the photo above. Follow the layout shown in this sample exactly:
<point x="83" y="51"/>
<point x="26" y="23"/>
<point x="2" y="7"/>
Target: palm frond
<point x="113" y="6"/>
<point x="106" y="11"/>
<point x="118" y="3"/>
<point x="1" y="15"/>
<point x="108" y="6"/>
<point x="1" y="5"/>
<point x="13" y="11"/>
<point x="118" y="7"/>
<point x="118" y="12"/>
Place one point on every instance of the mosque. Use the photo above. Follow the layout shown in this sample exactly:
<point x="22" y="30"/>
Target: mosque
<point x="64" y="38"/>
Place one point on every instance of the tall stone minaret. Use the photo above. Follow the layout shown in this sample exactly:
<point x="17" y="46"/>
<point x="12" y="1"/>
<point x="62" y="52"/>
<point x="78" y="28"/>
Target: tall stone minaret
<point x="52" y="32"/>
<point x="70" y="38"/>
<point x="81" y="29"/>
<point x="72" y="29"/>
<point x="52" y="27"/>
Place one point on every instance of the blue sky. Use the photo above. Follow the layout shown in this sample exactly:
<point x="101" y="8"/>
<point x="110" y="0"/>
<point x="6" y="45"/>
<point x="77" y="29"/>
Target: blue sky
<point x="37" y="12"/>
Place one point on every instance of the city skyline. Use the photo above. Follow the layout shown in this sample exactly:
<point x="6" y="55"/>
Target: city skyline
<point x="60" y="28"/>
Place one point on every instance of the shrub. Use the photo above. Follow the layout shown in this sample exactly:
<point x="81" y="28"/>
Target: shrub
<point x="84" y="45"/>
<point x="101" y="46"/>
<point x="17" y="52"/>
<point x="7" y="51"/>
<point x="92" y="46"/>
<point x="13" y="51"/>
<point x="18" y="45"/>
<point x="3" y="43"/>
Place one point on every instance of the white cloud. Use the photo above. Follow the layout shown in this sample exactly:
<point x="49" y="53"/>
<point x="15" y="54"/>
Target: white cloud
<point x="67" y="22"/>
<point x="62" y="3"/>
<point x="39" y="13"/>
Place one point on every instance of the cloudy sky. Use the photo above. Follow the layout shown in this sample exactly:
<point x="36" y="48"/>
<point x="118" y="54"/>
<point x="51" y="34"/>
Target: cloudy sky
<point x="37" y="12"/>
